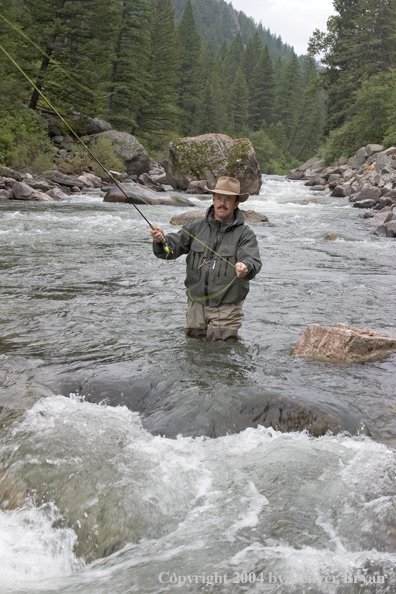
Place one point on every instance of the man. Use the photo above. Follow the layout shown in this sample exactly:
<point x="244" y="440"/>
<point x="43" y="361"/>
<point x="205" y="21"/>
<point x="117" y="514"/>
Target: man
<point x="222" y="257"/>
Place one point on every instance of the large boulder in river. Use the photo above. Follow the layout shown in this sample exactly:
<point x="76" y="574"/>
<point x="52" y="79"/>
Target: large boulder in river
<point x="250" y="216"/>
<point x="138" y="194"/>
<point x="129" y="150"/>
<point x="342" y="343"/>
<point x="211" y="156"/>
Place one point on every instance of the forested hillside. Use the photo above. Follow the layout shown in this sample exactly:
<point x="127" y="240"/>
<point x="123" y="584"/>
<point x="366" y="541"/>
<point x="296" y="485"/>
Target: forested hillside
<point x="359" y="79"/>
<point x="218" y="21"/>
<point x="127" y="62"/>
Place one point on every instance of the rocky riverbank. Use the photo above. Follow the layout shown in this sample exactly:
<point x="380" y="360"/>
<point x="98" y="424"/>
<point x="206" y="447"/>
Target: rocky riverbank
<point x="368" y="179"/>
<point x="193" y="165"/>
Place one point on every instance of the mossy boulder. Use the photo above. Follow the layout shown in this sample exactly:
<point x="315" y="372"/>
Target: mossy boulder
<point x="211" y="156"/>
<point x="128" y="149"/>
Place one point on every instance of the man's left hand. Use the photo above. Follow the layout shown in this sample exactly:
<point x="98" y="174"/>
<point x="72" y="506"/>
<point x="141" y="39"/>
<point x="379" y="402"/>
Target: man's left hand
<point x="241" y="269"/>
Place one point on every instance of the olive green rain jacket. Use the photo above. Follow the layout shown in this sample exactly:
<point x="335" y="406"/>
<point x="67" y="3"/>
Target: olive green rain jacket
<point x="207" y="274"/>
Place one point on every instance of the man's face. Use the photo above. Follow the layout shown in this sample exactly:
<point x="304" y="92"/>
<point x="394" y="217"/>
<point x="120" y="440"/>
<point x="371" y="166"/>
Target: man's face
<point x="224" y="206"/>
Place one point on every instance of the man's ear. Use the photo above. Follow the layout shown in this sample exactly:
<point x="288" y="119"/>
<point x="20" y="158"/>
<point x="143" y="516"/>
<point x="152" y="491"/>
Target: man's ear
<point x="236" y="203"/>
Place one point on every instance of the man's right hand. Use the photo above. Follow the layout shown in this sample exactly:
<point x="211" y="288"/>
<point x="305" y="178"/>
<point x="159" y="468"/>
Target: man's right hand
<point x="158" y="235"/>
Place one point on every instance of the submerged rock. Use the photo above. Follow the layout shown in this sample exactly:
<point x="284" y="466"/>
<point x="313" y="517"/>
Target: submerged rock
<point x="250" y="216"/>
<point x="344" y="343"/>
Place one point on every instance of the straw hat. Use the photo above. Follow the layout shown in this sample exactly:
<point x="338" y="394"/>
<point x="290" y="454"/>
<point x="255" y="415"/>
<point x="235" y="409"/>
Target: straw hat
<point x="228" y="186"/>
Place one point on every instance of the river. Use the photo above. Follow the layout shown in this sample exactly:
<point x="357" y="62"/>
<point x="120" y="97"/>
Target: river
<point x="184" y="493"/>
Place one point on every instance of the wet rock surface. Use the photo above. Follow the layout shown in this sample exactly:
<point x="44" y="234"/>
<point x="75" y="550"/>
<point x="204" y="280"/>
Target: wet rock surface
<point x="165" y="412"/>
<point x="368" y="179"/>
<point x="343" y="343"/>
<point x="250" y="217"/>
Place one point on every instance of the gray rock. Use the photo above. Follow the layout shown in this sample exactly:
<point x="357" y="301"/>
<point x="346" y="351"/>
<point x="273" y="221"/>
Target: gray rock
<point x="316" y="181"/>
<point x="96" y="126"/>
<point x="391" y="217"/>
<point x="138" y="194"/>
<point x="317" y="188"/>
<point x="21" y="191"/>
<point x="381" y="162"/>
<point x="370" y="193"/>
<point x="333" y="177"/>
<point x="62" y="179"/>
<point x="58" y="139"/>
<point x="374" y="148"/>
<point x="385" y="201"/>
<point x="57" y="194"/>
<point x="5" y="194"/>
<point x="390" y="228"/>
<point x="391" y="193"/>
<point x="341" y="191"/>
<point x="364" y="204"/>
<point x="42" y="197"/>
<point x="314" y="164"/>
<point x="342" y="161"/>
<point x="344" y="343"/>
<point x="197" y="187"/>
<point x="10" y="173"/>
<point x="129" y="150"/>
<point x="359" y="158"/>
<point x="380" y="231"/>
<point x="42" y="185"/>
<point x="67" y="143"/>
<point x="211" y="156"/>
<point x="250" y="217"/>
<point x="295" y="175"/>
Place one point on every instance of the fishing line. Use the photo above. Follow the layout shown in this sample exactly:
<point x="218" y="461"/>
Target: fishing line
<point x="119" y="185"/>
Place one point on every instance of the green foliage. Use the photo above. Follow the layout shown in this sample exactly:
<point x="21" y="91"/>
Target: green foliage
<point x="191" y="45"/>
<point x="23" y="137"/>
<point x="158" y="114"/>
<point x="372" y="122"/>
<point x="104" y="151"/>
<point x="359" y="43"/>
<point x="270" y="146"/>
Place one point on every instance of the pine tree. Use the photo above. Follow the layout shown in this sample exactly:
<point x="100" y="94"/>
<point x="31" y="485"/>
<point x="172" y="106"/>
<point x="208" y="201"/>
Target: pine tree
<point x="190" y="49"/>
<point x="288" y="95"/>
<point x="127" y="83"/>
<point x="210" y="115"/>
<point x="262" y="91"/>
<point x="77" y="50"/>
<point x="360" y="41"/>
<point x="307" y="134"/>
<point x="251" y="58"/>
<point x="238" y="103"/>
<point x="234" y="59"/>
<point x="158" y="115"/>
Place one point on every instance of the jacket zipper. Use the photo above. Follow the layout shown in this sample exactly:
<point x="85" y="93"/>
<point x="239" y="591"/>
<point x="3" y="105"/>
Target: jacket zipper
<point x="206" y="291"/>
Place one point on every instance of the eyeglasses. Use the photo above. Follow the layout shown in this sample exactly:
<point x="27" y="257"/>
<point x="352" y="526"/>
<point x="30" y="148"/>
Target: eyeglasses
<point x="224" y="199"/>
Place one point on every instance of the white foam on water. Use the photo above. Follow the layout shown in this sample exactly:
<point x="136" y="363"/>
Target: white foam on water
<point x="258" y="501"/>
<point x="32" y="549"/>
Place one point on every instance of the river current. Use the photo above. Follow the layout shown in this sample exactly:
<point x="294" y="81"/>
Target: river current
<point x="175" y="495"/>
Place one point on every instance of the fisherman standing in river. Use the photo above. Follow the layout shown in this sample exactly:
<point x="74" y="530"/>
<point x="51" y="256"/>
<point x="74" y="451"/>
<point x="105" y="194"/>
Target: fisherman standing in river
<point x="222" y="257"/>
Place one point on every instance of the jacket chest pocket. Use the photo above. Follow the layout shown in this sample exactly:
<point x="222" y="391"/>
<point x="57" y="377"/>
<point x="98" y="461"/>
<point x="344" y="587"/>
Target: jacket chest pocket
<point x="195" y="259"/>
<point x="225" y="272"/>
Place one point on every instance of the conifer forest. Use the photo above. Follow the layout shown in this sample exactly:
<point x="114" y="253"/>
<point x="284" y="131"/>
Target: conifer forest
<point x="162" y="69"/>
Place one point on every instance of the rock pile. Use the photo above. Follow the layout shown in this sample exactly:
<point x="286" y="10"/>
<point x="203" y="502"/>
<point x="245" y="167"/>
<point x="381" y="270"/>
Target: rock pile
<point x="368" y="179"/>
